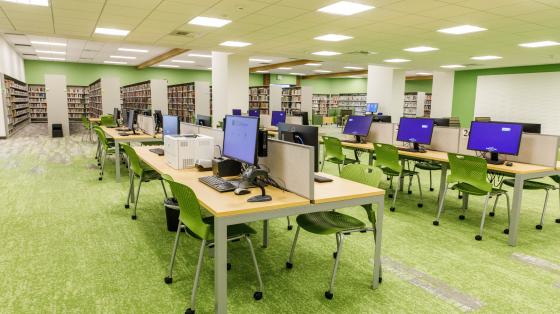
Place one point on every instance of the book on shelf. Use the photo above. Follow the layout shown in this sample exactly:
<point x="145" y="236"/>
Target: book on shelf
<point x="16" y="99"/>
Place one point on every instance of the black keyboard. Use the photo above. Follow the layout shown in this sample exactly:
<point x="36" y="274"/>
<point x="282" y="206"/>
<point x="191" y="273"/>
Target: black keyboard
<point x="158" y="151"/>
<point x="218" y="183"/>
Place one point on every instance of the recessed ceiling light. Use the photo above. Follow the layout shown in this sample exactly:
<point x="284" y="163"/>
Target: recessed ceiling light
<point x="421" y="49"/>
<point x="230" y="43"/>
<point x="424" y="73"/>
<point x="452" y="66"/>
<point x="353" y="68"/>
<point x="538" y="44"/>
<point x="462" y="29"/>
<point x="43" y="3"/>
<point x="182" y="61"/>
<point x="486" y="58"/>
<point x="333" y="37"/>
<point x="51" y="52"/>
<point x="168" y="66"/>
<point x="283" y="68"/>
<point x="52" y="58"/>
<point x="209" y="69"/>
<point x="322" y="71"/>
<point x="396" y="60"/>
<point x="198" y="55"/>
<point x="260" y="60"/>
<point x="111" y="31"/>
<point x="46" y="43"/>
<point x="313" y="64"/>
<point x="261" y="71"/>
<point x="297" y="74"/>
<point x="326" y="53"/>
<point x="133" y="50"/>
<point x="114" y="62"/>
<point x="345" y="8"/>
<point x="209" y="21"/>
<point x="123" y="57"/>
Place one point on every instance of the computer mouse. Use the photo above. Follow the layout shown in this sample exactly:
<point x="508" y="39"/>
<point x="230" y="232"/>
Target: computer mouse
<point x="240" y="191"/>
<point x="509" y="163"/>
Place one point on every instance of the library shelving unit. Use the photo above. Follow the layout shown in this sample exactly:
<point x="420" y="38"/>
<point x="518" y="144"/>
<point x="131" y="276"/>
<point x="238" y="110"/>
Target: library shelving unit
<point x="95" y="99"/>
<point x="259" y="98"/>
<point x="37" y="103"/>
<point x="355" y="102"/>
<point x="16" y="104"/>
<point x="413" y="104"/>
<point x="77" y="102"/>
<point x="323" y="102"/>
<point x="103" y="96"/>
<point x="147" y="95"/>
<point x="296" y="99"/>
<point x="189" y="99"/>
<point x="428" y="105"/>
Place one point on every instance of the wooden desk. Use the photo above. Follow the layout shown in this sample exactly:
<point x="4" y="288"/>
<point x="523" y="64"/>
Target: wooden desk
<point x="136" y="138"/>
<point x="229" y="209"/>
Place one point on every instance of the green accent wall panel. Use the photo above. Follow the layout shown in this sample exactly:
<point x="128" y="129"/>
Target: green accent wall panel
<point x="337" y="85"/>
<point x="418" y="86"/>
<point x="464" y="89"/>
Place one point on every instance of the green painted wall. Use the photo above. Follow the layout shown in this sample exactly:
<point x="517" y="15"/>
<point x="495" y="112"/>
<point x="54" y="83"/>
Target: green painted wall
<point x="337" y="85"/>
<point x="418" y="86"/>
<point x="84" y="74"/>
<point x="464" y="89"/>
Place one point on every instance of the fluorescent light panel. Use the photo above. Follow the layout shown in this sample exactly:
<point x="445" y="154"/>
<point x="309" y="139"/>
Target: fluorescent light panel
<point x="322" y="71"/>
<point x="424" y="73"/>
<point x="182" y="61"/>
<point x="51" y="52"/>
<point x="462" y="29"/>
<point x="261" y="71"/>
<point x="168" y="66"/>
<point x="260" y="60"/>
<point x="133" y="50"/>
<point x="114" y="62"/>
<point x="421" y="49"/>
<point x="539" y="44"/>
<point x="313" y="64"/>
<point x="297" y="74"/>
<point x="333" y="37"/>
<point x="46" y="43"/>
<point x="111" y="31"/>
<point x="123" y="57"/>
<point x="353" y="68"/>
<point x="283" y="68"/>
<point x="52" y="58"/>
<point x="231" y="43"/>
<point x="345" y="8"/>
<point x="326" y="53"/>
<point x="486" y="58"/>
<point x="209" y="21"/>
<point x="452" y="66"/>
<point x="198" y="55"/>
<point x="42" y="3"/>
<point x="396" y="60"/>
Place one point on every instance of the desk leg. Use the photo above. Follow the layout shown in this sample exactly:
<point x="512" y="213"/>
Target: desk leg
<point x="370" y="161"/>
<point x="90" y="131"/>
<point x="516" y="209"/>
<point x="117" y="161"/>
<point x="356" y="155"/>
<point x="401" y="177"/>
<point x="265" y="234"/>
<point x="220" y="269"/>
<point x="378" y="237"/>
<point x="442" y="182"/>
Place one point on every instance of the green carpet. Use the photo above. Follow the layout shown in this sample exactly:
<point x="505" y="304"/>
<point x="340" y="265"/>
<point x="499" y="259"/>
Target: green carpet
<point x="69" y="245"/>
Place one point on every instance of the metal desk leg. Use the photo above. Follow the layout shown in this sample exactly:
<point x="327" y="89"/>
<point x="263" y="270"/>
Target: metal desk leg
<point x="370" y="161"/>
<point x="401" y="177"/>
<point x="265" y="234"/>
<point x="465" y="201"/>
<point x="90" y="131"/>
<point x="220" y="261"/>
<point x="356" y="155"/>
<point x="516" y="209"/>
<point x="442" y="182"/>
<point x="117" y="161"/>
<point x="378" y="236"/>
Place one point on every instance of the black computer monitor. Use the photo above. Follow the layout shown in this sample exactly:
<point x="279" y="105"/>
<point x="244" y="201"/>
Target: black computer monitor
<point x="301" y="134"/>
<point x="171" y="125"/>
<point x="527" y="127"/>
<point x="416" y="131"/>
<point x="441" y="121"/>
<point x="240" y="139"/>
<point x="203" y="120"/>
<point x="304" y="117"/>
<point x="254" y="113"/>
<point x="236" y="112"/>
<point x="147" y="112"/>
<point x="131" y="119"/>
<point x="386" y="119"/>
<point x="158" y="119"/>
<point x="116" y="116"/>
<point x="358" y="126"/>
<point x="495" y="138"/>
<point x="278" y="117"/>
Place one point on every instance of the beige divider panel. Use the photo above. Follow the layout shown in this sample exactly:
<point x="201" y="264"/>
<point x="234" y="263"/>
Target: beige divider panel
<point x="294" y="120"/>
<point x="381" y="132"/>
<point x="265" y="121"/>
<point x="217" y="134"/>
<point x="538" y="149"/>
<point x="445" y="139"/>
<point x="189" y="128"/>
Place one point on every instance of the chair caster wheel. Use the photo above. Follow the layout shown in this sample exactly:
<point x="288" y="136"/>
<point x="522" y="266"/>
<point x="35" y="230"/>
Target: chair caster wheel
<point x="329" y="295"/>
<point x="126" y="206"/>
<point x="492" y="214"/>
<point x="461" y="217"/>
<point x="228" y="266"/>
<point x="431" y="189"/>
<point x="133" y="217"/>
<point x="478" y="237"/>
<point x="257" y="295"/>
<point x="168" y="280"/>
<point x="100" y="178"/>
<point x="435" y="223"/>
<point x="334" y="254"/>
<point x="506" y="231"/>
<point x="409" y="192"/>
<point x="290" y="227"/>
<point x="189" y="311"/>
<point x="380" y="279"/>
<point x="557" y="221"/>
<point x="392" y="209"/>
<point x="289" y="265"/>
<point x="420" y="205"/>
<point x="390" y="195"/>
<point x="460" y="197"/>
<point x="539" y="227"/>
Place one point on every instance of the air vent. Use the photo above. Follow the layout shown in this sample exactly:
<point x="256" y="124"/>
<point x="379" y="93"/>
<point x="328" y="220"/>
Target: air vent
<point x="22" y="45"/>
<point x="30" y="54"/>
<point x="183" y="34"/>
<point x="362" y="52"/>
<point x="90" y="50"/>
<point x="14" y="34"/>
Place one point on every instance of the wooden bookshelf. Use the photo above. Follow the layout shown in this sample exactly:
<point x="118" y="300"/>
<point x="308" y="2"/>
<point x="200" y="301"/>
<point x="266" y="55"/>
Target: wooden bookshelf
<point x="77" y="102"/>
<point x="37" y="103"/>
<point x="428" y="105"/>
<point x="136" y="96"/>
<point x="323" y="102"/>
<point x="182" y="101"/>
<point x="414" y="103"/>
<point x="95" y="99"/>
<point x="355" y="102"/>
<point x="291" y="99"/>
<point x="16" y="102"/>
<point x="259" y="98"/>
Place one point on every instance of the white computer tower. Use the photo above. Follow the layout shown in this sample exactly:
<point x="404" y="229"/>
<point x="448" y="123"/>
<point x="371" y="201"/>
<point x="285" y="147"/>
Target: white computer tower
<point x="186" y="151"/>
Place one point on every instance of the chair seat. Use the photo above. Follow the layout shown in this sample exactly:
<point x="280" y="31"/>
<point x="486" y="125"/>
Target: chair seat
<point x="346" y="161"/>
<point x="469" y="189"/>
<point x="428" y="166"/>
<point x="150" y="175"/>
<point x="556" y="178"/>
<point x="393" y="173"/>
<point x="233" y="231"/>
<point x="328" y="222"/>
<point x="530" y="185"/>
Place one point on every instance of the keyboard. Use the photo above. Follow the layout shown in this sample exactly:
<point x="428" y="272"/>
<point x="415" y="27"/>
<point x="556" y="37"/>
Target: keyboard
<point x="158" y="151"/>
<point x="217" y="183"/>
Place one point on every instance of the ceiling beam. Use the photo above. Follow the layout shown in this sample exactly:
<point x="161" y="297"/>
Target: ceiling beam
<point x="162" y="57"/>
<point x="420" y="78"/>
<point x="331" y="75"/>
<point x="280" y="65"/>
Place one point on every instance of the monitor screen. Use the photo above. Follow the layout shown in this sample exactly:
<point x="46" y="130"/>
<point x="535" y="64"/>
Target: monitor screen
<point x="171" y="125"/>
<point x="278" y="117"/>
<point x="301" y="134"/>
<point x="372" y="107"/>
<point x="131" y="117"/>
<point x="254" y="113"/>
<point x="236" y="112"/>
<point x="501" y="138"/>
<point x="415" y="130"/>
<point x="358" y="125"/>
<point x="240" y="139"/>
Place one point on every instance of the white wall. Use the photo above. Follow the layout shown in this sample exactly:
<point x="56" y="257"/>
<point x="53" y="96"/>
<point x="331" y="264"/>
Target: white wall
<point x="10" y="62"/>
<point x="442" y="94"/>
<point x="57" y="100"/>
<point x="386" y="86"/>
<point x="230" y="84"/>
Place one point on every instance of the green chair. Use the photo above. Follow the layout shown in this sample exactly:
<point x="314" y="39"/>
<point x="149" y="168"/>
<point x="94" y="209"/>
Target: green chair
<point x="341" y="225"/>
<point x="317" y="119"/>
<point x="107" y="120"/>
<point x="427" y="166"/>
<point x="387" y="159"/>
<point x="333" y="153"/>
<point x="104" y="150"/>
<point x="144" y="173"/>
<point x="200" y="228"/>
<point x="85" y="124"/>
<point x="469" y="175"/>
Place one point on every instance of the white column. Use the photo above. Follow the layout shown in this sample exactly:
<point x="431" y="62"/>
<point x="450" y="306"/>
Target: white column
<point x="230" y="84"/>
<point x="386" y="86"/>
<point x="57" y="102"/>
<point x="442" y="94"/>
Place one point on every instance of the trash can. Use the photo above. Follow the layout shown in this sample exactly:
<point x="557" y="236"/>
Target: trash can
<point x="172" y="214"/>
<point x="57" y="130"/>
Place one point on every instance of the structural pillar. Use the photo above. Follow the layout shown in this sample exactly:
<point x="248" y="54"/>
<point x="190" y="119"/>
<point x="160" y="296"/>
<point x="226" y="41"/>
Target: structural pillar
<point x="442" y="94"/>
<point x="385" y="86"/>
<point x="230" y="84"/>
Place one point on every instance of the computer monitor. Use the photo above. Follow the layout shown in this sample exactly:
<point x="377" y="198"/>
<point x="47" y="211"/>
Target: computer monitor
<point x="171" y="125"/>
<point x="416" y="131"/>
<point x="386" y="119"/>
<point x="441" y="121"/>
<point x="240" y="139"/>
<point x="254" y="113"/>
<point x="278" y="117"/>
<point x="527" y="127"/>
<point x="236" y="112"/>
<point x="116" y="116"/>
<point x="158" y="119"/>
<point x="147" y="112"/>
<point x="304" y="117"/>
<point x="301" y="134"/>
<point x="358" y="126"/>
<point x="203" y="120"/>
<point x="372" y="107"/>
<point x="495" y="138"/>
<point x="131" y="119"/>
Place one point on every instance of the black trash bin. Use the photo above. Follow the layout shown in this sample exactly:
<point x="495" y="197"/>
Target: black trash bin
<point x="172" y="214"/>
<point x="57" y="130"/>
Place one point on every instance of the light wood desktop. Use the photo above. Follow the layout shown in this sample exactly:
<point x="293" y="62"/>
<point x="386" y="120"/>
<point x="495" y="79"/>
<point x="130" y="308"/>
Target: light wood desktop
<point x="229" y="209"/>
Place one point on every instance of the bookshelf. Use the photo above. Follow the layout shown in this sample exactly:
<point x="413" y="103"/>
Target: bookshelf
<point x="259" y="98"/>
<point x="428" y="105"/>
<point x="37" y="103"/>
<point x="323" y="102"/>
<point x="95" y="99"/>
<point x="77" y="102"/>
<point x="414" y="104"/>
<point x="296" y="99"/>
<point x="147" y="95"/>
<point x="16" y="104"/>
<point x="186" y="100"/>
<point x="355" y="102"/>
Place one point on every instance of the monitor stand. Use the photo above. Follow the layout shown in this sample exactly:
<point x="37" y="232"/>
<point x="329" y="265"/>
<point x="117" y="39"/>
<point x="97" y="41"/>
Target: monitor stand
<point x="357" y="140"/>
<point x="494" y="159"/>
<point x="416" y="148"/>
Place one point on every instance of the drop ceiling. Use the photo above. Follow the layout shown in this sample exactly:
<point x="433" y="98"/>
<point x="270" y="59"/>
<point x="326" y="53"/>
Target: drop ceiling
<point x="286" y="28"/>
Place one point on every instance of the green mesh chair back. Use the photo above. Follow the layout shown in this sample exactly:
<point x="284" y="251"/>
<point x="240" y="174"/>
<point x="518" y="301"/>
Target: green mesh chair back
<point x="469" y="169"/>
<point x="189" y="208"/>
<point x="333" y="148"/>
<point x="317" y="119"/>
<point x="107" y="120"/>
<point x="133" y="160"/>
<point x="360" y="173"/>
<point x="387" y="156"/>
<point x="102" y="138"/>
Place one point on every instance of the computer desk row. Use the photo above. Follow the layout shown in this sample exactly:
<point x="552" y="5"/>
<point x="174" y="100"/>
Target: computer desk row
<point x="230" y="209"/>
